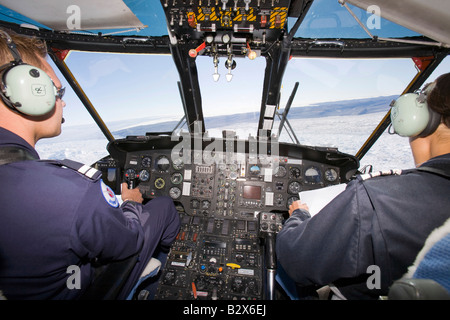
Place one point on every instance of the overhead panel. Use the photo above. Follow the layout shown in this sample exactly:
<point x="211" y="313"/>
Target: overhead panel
<point x="80" y="14"/>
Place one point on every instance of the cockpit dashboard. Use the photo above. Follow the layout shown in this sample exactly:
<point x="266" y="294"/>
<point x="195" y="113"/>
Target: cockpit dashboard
<point x="230" y="194"/>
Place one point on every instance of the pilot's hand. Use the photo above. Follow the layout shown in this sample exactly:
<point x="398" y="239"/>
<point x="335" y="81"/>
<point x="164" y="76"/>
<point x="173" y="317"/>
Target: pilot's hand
<point x="297" y="205"/>
<point x="131" y="194"/>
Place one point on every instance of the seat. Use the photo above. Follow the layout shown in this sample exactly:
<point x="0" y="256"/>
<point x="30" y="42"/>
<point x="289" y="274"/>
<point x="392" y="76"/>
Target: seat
<point x="111" y="279"/>
<point x="429" y="277"/>
<point x="417" y="289"/>
<point x="150" y="270"/>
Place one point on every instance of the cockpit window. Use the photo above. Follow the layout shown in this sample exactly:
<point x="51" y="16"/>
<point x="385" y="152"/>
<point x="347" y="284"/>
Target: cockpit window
<point x="133" y="94"/>
<point x="232" y="102"/>
<point x="331" y="20"/>
<point x="338" y="103"/>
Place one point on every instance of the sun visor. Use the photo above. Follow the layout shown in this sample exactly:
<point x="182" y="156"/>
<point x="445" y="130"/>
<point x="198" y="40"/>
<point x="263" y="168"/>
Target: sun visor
<point x="80" y="14"/>
<point x="430" y="18"/>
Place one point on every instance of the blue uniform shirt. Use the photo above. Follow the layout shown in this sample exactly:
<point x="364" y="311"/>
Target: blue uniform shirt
<point x="54" y="217"/>
<point x="382" y="221"/>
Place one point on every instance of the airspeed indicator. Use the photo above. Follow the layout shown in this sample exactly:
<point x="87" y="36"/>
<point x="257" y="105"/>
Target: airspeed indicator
<point x="331" y="175"/>
<point x="174" y="192"/>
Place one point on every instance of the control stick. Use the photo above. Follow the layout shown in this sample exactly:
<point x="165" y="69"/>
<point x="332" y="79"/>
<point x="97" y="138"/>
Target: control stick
<point x="131" y="178"/>
<point x="269" y="225"/>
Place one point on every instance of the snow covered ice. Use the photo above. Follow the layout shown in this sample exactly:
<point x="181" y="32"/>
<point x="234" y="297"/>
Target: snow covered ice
<point x="87" y="144"/>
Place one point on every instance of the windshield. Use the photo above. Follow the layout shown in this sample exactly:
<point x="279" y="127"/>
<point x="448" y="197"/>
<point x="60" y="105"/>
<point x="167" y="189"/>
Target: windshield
<point x="133" y="94"/>
<point x="235" y="104"/>
<point x="329" y="19"/>
<point x="339" y="102"/>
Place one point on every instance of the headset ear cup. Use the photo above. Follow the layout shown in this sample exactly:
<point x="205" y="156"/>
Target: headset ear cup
<point x="29" y="90"/>
<point x="433" y="123"/>
<point x="409" y="116"/>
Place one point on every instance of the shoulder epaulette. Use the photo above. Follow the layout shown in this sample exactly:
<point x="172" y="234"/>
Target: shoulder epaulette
<point x="15" y="154"/>
<point x="392" y="172"/>
<point x="81" y="168"/>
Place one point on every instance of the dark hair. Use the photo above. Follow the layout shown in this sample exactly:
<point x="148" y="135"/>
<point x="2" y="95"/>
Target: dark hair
<point x="439" y="98"/>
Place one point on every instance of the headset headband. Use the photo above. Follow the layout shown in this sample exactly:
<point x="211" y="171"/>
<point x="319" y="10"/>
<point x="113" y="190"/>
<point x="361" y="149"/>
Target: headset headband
<point x="12" y="47"/>
<point x="24" y="88"/>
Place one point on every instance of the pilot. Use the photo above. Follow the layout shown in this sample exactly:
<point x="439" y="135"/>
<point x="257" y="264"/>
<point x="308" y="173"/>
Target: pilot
<point x="368" y="236"/>
<point x="58" y="218"/>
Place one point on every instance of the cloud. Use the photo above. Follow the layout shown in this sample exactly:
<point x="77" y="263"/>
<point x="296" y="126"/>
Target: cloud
<point x="102" y="68"/>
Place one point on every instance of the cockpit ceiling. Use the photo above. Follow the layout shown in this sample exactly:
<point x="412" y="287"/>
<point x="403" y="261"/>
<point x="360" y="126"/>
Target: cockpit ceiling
<point x="323" y="19"/>
<point x="430" y="18"/>
<point x="62" y="15"/>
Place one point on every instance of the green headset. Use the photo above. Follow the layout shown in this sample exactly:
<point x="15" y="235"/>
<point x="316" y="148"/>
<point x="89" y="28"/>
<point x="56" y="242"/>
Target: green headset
<point x="412" y="117"/>
<point x="24" y="88"/>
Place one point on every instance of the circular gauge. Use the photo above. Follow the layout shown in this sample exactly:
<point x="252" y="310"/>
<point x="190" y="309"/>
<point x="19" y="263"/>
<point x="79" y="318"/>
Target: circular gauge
<point x="295" y="172"/>
<point x="255" y="170"/>
<point x="195" y="204"/>
<point x="280" y="171"/>
<point x="331" y="175"/>
<point x="178" y="164"/>
<point x="144" y="175"/>
<point x="294" y="187"/>
<point x="233" y="175"/>
<point x="279" y="200"/>
<point x="174" y="192"/>
<point x="146" y="162"/>
<point x="176" y="178"/>
<point x="233" y="167"/>
<point x="162" y="163"/>
<point x="312" y="175"/>
<point x="130" y="174"/>
<point x="292" y="199"/>
<point x="206" y="204"/>
<point x="160" y="183"/>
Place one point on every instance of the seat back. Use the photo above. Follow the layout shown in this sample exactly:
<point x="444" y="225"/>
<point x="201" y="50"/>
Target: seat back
<point x="108" y="284"/>
<point x="417" y="289"/>
<point x="429" y="277"/>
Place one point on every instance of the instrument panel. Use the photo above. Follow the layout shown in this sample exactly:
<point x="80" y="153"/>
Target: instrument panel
<point x="234" y="189"/>
<point x="232" y="197"/>
<point x="237" y="15"/>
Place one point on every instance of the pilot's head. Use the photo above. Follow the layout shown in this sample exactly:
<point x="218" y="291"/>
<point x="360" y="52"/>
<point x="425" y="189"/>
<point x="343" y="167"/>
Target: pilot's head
<point x="424" y="117"/>
<point x="30" y="104"/>
<point x="439" y="98"/>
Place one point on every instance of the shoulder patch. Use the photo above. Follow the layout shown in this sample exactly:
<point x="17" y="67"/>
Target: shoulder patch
<point x="109" y="195"/>
<point x="381" y="173"/>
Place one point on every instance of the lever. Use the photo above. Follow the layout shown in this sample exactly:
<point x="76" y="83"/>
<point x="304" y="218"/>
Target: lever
<point x="131" y="178"/>
<point x="224" y="5"/>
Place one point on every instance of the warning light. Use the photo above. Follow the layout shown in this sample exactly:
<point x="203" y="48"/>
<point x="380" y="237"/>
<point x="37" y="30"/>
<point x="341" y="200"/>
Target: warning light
<point x="191" y="20"/>
<point x="263" y="21"/>
<point x="277" y="21"/>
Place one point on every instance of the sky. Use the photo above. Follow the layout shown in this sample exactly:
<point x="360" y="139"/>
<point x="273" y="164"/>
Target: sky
<point x="140" y="86"/>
